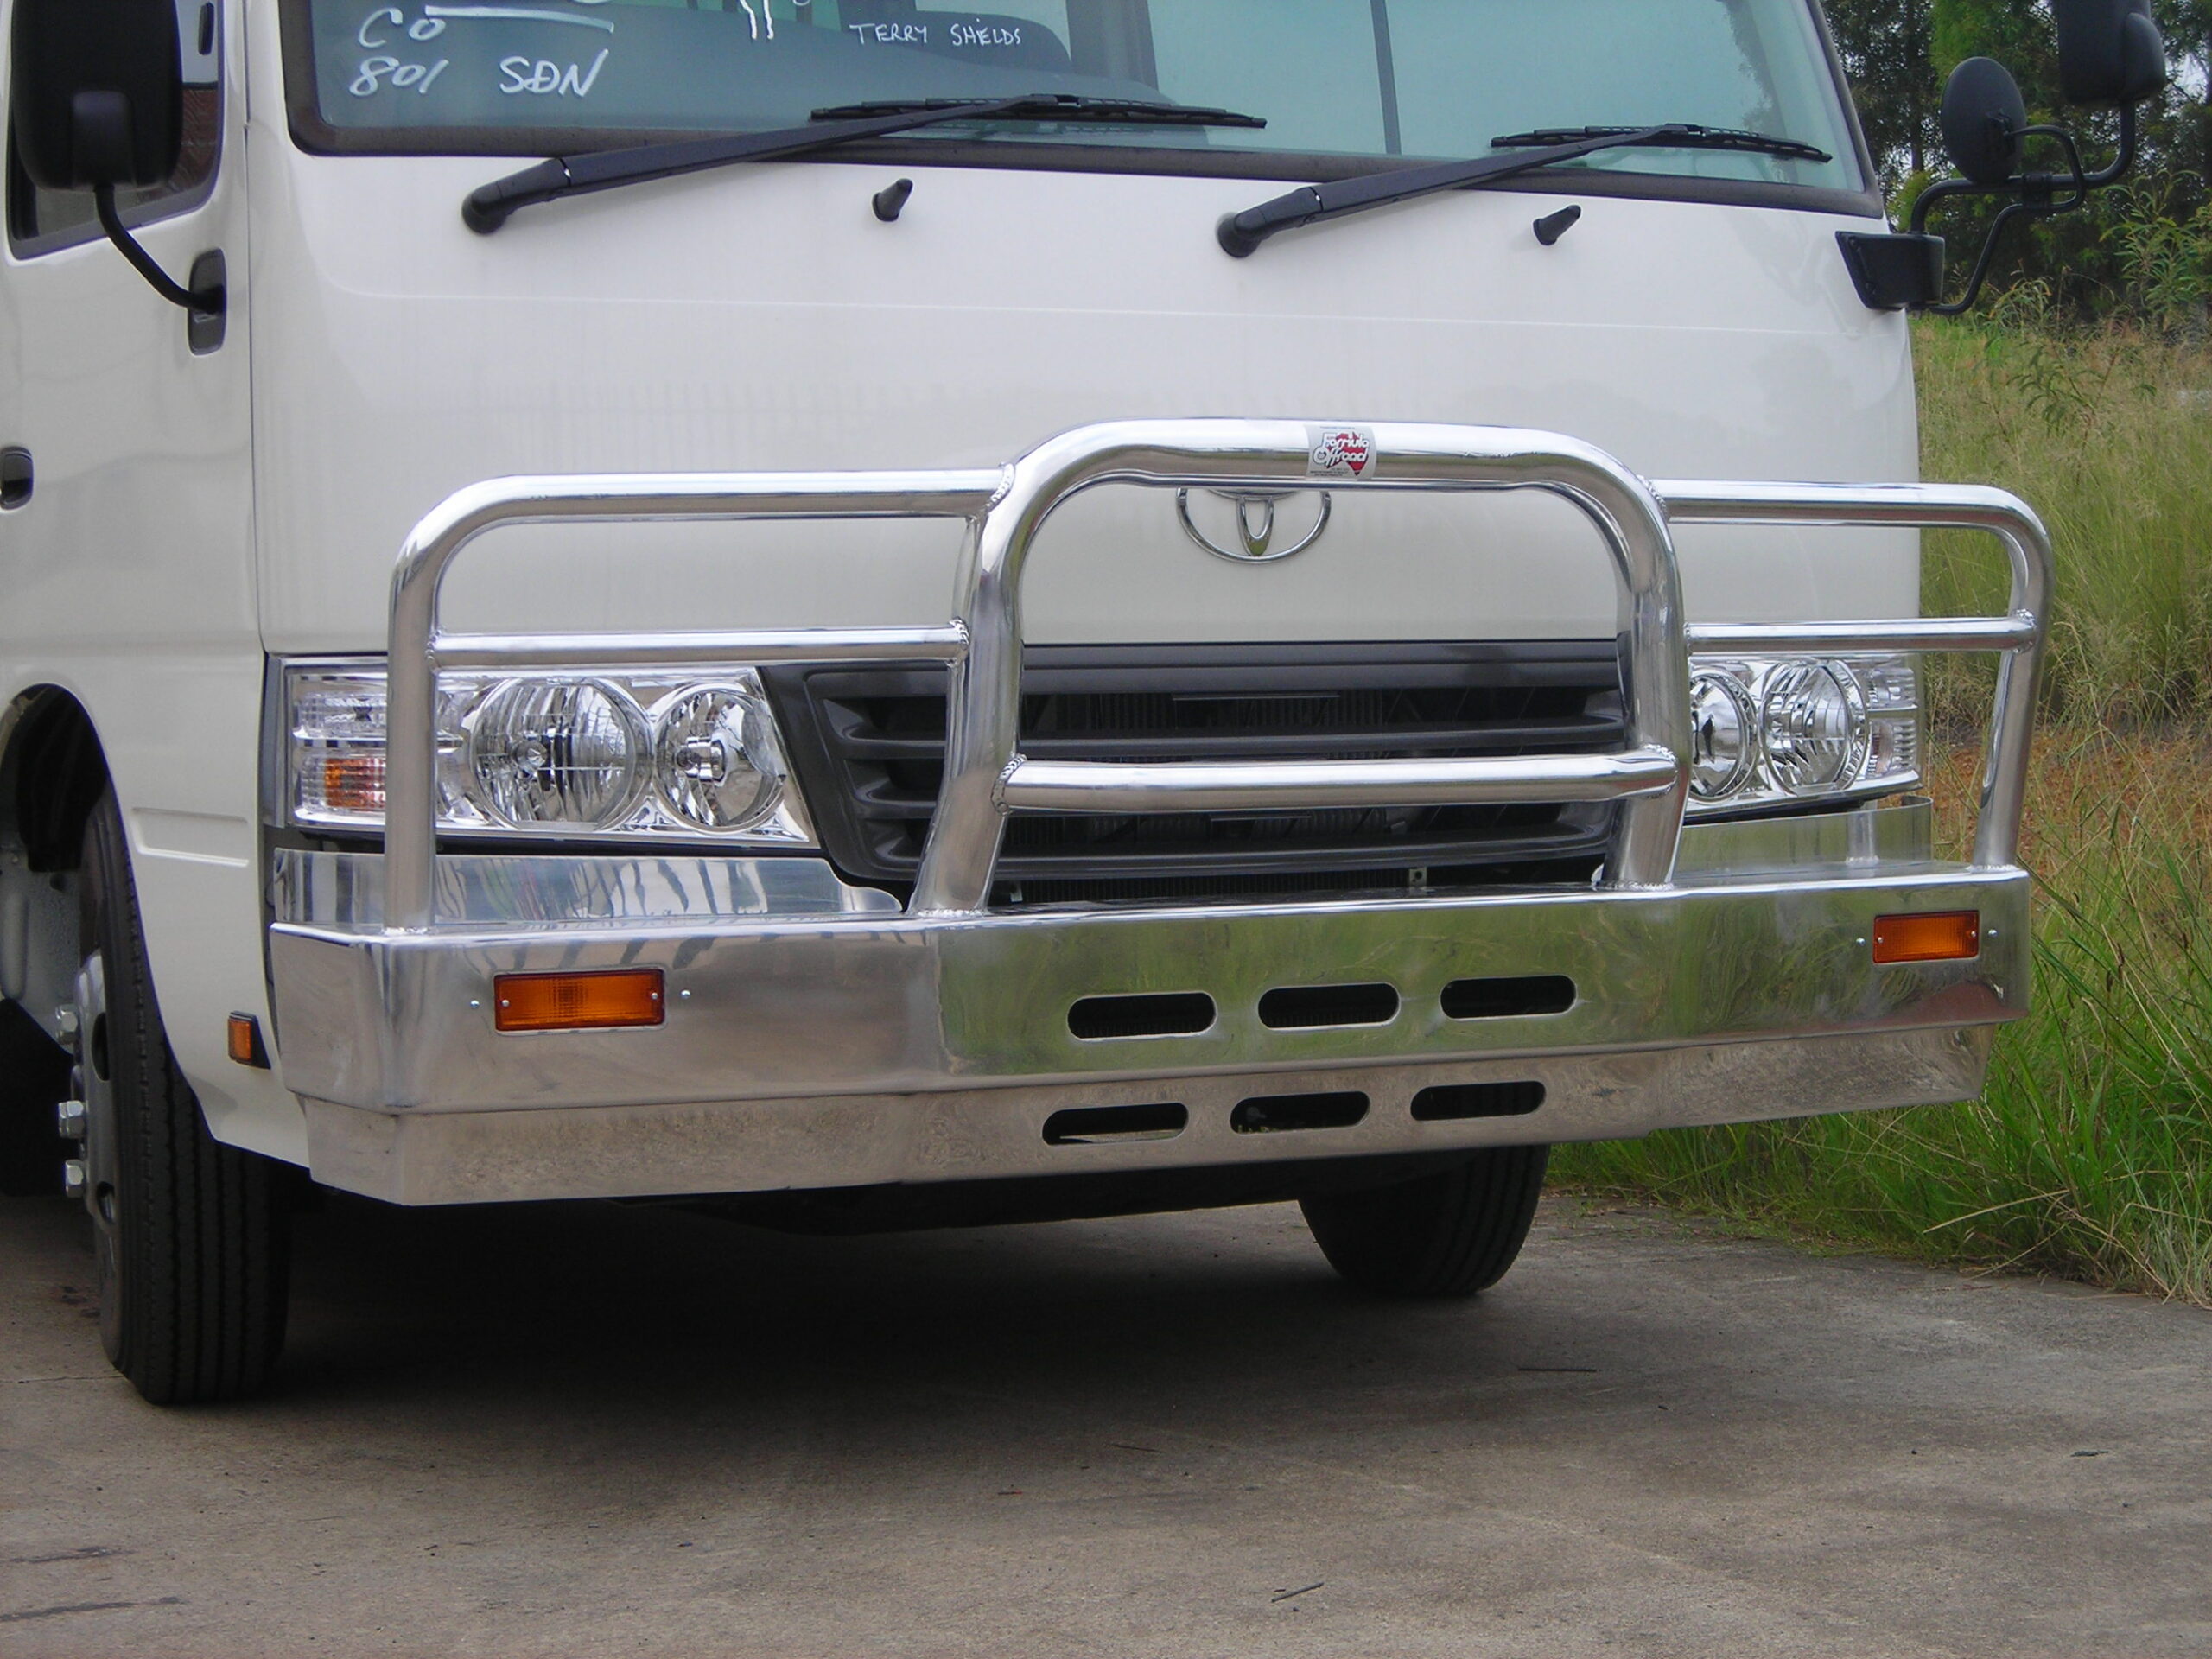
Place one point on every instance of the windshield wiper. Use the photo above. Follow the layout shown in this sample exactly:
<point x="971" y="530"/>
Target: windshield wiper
<point x="1058" y="106"/>
<point x="489" y="206"/>
<point x="1241" y="234"/>
<point x="1682" y="136"/>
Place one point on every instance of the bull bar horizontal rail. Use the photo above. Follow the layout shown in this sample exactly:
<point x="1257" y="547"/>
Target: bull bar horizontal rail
<point x="986" y="776"/>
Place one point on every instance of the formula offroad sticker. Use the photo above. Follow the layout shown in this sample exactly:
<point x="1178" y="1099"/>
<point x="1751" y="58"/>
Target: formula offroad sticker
<point x="1340" y="452"/>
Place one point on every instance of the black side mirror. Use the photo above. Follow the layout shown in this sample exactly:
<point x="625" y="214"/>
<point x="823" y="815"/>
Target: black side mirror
<point x="1984" y="118"/>
<point x="97" y="90"/>
<point x="97" y="94"/>
<point x="2109" y="51"/>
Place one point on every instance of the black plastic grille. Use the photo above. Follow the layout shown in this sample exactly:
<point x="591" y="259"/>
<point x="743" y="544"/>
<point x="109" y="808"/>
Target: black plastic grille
<point x="868" y="746"/>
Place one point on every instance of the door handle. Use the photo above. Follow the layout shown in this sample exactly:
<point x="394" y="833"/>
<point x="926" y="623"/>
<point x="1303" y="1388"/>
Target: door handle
<point x="15" y="477"/>
<point x="204" y="317"/>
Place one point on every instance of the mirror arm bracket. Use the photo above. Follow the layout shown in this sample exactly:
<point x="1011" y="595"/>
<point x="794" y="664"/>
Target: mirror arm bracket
<point x="206" y="301"/>
<point x="2039" y="195"/>
<point x="1980" y="273"/>
<point x="2121" y="162"/>
<point x="1941" y="190"/>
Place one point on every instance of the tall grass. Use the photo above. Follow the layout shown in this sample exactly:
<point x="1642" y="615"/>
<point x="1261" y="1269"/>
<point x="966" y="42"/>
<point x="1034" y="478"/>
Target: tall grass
<point x="2109" y="435"/>
<point x="2089" y="1153"/>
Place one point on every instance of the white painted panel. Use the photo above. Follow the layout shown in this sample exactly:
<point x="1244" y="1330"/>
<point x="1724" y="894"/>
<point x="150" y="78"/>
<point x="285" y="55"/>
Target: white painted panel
<point x="645" y="328"/>
<point x="129" y="580"/>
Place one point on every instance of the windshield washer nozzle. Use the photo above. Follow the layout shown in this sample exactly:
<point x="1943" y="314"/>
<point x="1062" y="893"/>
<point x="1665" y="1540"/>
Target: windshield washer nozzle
<point x="890" y="201"/>
<point x="1552" y="226"/>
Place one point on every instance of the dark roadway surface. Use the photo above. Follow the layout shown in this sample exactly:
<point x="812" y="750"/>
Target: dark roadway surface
<point x="586" y="1430"/>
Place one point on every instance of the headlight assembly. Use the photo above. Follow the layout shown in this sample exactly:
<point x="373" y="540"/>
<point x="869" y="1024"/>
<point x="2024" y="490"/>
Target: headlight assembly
<point x="621" y="754"/>
<point x="1766" y="731"/>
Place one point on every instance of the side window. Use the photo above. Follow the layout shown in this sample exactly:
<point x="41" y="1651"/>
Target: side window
<point x="41" y="220"/>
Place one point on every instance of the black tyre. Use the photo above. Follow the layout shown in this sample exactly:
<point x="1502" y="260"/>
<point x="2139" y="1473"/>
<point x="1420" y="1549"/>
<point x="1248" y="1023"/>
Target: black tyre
<point x="193" y="1237"/>
<point x="1447" y="1235"/>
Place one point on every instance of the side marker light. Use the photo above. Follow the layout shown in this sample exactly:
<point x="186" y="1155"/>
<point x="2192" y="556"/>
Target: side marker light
<point x="1937" y="935"/>
<point x="578" y="1001"/>
<point x="245" y="1045"/>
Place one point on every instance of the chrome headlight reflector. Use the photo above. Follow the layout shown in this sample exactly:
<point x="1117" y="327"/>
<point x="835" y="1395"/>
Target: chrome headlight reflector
<point x="718" y="764"/>
<point x="1724" y="736"/>
<point x="650" y="754"/>
<point x="572" y="752"/>
<point x="1813" y="725"/>
<point x="1811" y="728"/>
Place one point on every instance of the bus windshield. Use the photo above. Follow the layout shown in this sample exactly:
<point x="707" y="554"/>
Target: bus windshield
<point x="1354" y="81"/>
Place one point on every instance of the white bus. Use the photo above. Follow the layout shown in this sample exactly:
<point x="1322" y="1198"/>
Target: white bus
<point x="1103" y="606"/>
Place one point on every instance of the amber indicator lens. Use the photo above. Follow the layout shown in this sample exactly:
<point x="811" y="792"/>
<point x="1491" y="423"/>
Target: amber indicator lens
<point x="1940" y="935"/>
<point x="354" y="782"/>
<point x="578" y="1001"/>
<point x="245" y="1041"/>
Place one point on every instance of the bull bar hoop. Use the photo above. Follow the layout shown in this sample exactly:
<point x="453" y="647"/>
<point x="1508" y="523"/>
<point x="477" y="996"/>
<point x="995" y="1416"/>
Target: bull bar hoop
<point x="986" y="775"/>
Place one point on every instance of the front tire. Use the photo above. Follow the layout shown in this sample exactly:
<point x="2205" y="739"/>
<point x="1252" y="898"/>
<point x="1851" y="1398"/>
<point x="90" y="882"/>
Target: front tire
<point x="193" y="1237"/>
<point x="1447" y="1235"/>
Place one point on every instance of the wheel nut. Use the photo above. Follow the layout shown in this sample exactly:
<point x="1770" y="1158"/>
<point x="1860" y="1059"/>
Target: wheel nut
<point x="69" y="1120"/>
<point x="65" y="1022"/>
<point x="72" y="1178"/>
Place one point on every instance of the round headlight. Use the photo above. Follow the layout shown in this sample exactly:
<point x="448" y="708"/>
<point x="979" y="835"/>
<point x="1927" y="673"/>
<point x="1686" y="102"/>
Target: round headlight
<point x="559" y="752"/>
<point x="1814" y="725"/>
<point x="716" y="759"/>
<point x="1721" y="738"/>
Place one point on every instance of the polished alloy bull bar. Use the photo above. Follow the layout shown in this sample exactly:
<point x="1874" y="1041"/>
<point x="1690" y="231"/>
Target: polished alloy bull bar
<point x="986" y="775"/>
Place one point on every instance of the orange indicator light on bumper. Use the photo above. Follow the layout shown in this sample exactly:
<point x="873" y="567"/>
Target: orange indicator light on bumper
<point x="578" y="1001"/>
<point x="1938" y="936"/>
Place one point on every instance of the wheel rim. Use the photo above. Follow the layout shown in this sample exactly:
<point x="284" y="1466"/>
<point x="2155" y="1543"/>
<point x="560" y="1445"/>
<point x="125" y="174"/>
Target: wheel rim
<point x="95" y="1085"/>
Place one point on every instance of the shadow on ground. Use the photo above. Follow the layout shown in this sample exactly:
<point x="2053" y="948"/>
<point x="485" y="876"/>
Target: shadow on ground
<point x="573" y="1429"/>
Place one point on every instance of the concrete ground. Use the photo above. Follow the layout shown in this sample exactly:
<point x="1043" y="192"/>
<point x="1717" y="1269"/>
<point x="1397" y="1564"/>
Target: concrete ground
<point x="585" y="1430"/>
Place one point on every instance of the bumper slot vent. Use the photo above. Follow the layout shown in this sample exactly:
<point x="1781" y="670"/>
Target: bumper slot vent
<point x="1096" y="1126"/>
<point x="1450" y="1102"/>
<point x="1305" y="1006"/>
<point x="1502" y="999"/>
<point x="1175" y="1014"/>
<point x="1270" y="1113"/>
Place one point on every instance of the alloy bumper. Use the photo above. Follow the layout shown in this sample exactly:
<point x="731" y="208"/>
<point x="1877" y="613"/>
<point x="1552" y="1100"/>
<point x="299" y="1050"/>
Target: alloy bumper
<point x="812" y="1040"/>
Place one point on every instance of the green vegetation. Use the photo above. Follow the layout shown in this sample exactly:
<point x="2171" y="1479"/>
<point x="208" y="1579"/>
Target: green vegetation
<point x="2109" y="434"/>
<point x="2090" y="1153"/>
